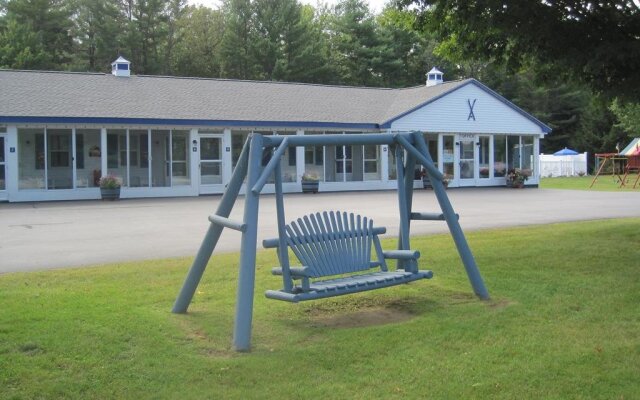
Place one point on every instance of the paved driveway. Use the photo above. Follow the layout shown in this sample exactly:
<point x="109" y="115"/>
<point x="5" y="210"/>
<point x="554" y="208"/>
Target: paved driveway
<point x="36" y="236"/>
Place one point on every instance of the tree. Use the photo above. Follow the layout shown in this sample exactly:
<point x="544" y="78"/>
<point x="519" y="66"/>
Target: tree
<point x="21" y="48"/>
<point x="628" y="115"/>
<point x="354" y="43"/>
<point x="36" y="34"/>
<point x="99" y="27"/>
<point x="147" y="35"/>
<point x="406" y="54"/>
<point x="237" y="56"/>
<point x="199" y="33"/>
<point x="595" y="42"/>
<point x="286" y="45"/>
<point x="174" y="11"/>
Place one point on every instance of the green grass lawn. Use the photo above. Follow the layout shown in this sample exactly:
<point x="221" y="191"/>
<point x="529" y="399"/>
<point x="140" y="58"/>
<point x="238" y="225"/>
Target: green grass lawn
<point x="606" y="183"/>
<point x="563" y="323"/>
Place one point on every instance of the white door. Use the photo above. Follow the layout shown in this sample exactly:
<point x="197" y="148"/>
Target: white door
<point x="3" y="167"/>
<point x="467" y="155"/>
<point x="210" y="163"/>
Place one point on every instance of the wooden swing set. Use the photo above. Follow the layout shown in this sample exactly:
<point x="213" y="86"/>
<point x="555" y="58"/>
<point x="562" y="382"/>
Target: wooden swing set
<point x="328" y="244"/>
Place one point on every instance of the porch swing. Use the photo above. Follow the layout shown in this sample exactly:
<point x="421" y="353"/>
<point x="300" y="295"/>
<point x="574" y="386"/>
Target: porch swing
<point x="334" y="248"/>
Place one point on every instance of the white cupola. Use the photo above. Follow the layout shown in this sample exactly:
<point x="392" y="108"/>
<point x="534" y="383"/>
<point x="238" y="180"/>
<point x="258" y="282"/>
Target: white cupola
<point x="121" y="67"/>
<point x="434" y="77"/>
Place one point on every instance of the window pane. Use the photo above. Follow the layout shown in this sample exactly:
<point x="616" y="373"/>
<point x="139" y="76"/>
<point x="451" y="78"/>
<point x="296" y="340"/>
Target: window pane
<point x="484" y="156"/>
<point x="117" y="154"/>
<point x="160" y="162"/>
<point x="330" y="168"/>
<point x="371" y="163"/>
<point x="88" y="174"/>
<point x="210" y="149"/>
<point x="499" y="155"/>
<point x="526" y="153"/>
<point x="447" y="155"/>
<point x="513" y="152"/>
<point x="2" y="172"/>
<point x="2" y="178"/>
<point x="391" y="156"/>
<point x="138" y="164"/>
<point x="60" y="171"/>
<point x="31" y="158"/>
<point x="237" y="142"/>
<point x="432" y="145"/>
<point x="180" y="156"/>
<point x="314" y="159"/>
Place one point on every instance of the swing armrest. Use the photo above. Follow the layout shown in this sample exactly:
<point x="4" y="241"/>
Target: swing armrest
<point x="296" y="272"/>
<point x="401" y="254"/>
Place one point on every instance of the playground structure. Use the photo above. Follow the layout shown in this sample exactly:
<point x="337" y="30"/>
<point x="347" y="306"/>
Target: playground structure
<point x="623" y="164"/>
<point x="334" y="244"/>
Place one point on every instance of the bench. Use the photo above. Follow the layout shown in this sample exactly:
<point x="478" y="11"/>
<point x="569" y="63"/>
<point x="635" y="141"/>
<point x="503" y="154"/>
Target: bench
<point x="335" y="252"/>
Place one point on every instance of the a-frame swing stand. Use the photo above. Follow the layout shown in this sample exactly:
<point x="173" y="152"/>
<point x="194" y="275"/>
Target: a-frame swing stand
<point x="250" y="166"/>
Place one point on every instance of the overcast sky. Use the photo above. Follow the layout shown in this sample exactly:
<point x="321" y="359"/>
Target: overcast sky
<point x="375" y="5"/>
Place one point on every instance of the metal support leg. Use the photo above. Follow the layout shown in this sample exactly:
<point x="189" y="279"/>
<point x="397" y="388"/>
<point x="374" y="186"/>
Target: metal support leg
<point x="409" y="177"/>
<point x="213" y="235"/>
<point x="454" y="227"/>
<point x="403" y="237"/>
<point x="247" y="273"/>
<point x="283" y="254"/>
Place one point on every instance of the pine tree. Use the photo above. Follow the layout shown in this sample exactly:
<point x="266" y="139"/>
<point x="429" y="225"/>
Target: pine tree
<point x="198" y="43"/>
<point x="36" y="34"/>
<point x="237" y="56"/>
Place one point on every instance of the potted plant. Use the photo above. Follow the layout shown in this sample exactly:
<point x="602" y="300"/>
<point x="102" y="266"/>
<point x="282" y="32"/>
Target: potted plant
<point x="310" y="183"/>
<point x="446" y="178"/>
<point x="110" y="187"/>
<point x="426" y="182"/>
<point x="516" y="178"/>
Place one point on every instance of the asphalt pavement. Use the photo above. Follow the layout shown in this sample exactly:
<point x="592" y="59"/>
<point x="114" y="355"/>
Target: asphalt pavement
<point x="39" y="236"/>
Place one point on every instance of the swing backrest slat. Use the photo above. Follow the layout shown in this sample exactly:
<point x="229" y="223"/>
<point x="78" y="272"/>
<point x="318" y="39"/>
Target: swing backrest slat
<point x="332" y="243"/>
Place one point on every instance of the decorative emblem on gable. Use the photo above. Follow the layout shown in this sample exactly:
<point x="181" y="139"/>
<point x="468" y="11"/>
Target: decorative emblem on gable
<point x="471" y="105"/>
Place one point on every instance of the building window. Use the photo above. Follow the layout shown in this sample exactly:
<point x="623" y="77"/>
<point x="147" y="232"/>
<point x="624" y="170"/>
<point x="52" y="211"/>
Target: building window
<point x="483" y="154"/>
<point x="526" y="155"/>
<point x="79" y="151"/>
<point x="180" y="158"/>
<point x="499" y="156"/>
<point x="39" y="151"/>
<point x="371" y="162"/>
<point x="59" y="150"/>
<point x="314" y="158"/>
<point x="513" y="152"/>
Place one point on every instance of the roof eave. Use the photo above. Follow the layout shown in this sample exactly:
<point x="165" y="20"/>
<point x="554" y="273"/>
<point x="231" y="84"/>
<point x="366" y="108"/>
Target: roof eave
<point x="186" y="122"/>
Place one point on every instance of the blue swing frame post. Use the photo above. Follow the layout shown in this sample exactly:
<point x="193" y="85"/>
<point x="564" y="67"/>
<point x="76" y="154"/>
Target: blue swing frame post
<point x="250" y="166"/>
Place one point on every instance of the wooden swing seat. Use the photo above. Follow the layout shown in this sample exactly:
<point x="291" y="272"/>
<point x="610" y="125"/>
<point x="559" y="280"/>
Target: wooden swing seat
<point x="339" y="246"/>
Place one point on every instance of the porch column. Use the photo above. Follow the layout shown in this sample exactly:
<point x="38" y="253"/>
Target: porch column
<point x="103" y="151"/>
<point x="300" y="161"/>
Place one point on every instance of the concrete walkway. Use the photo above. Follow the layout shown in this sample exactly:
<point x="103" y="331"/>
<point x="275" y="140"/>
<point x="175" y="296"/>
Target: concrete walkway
<point x="37" y="236"/>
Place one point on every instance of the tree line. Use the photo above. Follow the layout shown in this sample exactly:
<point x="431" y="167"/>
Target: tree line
<point x="585" y="94"/>
<point x="280" y="40"/>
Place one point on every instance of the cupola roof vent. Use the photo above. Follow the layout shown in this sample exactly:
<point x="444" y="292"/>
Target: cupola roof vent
<point x="434" y="77"/>
<point x="121" y="67"/>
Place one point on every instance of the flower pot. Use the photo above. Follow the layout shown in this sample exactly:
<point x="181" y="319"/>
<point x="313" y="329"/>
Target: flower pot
<point x="310" y="186"/>
<point x="515" y="184"/>
<point x="426" y="182"/>
<point x="110" y="194"/>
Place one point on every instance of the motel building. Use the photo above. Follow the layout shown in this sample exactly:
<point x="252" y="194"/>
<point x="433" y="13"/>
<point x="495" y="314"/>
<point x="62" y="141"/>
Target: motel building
<point x="170" y="136"/>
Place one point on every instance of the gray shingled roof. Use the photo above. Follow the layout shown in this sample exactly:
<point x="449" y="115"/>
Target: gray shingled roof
<point x="77" y="95"/>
